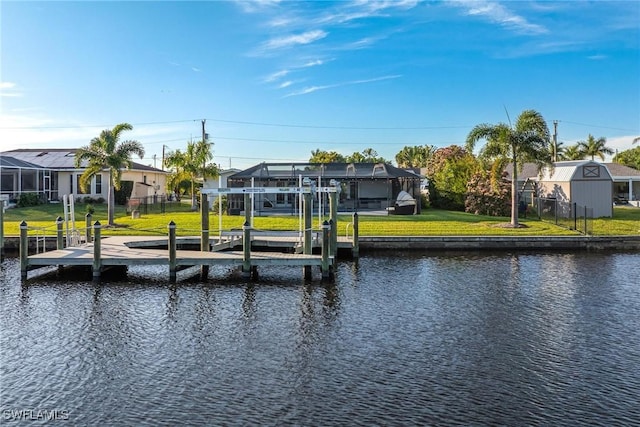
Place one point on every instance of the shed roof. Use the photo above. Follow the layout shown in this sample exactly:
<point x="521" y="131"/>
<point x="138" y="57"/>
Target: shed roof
<point x="325" y="170"/>
<point x="566" y="171"/>
<point x="530" y="170"/>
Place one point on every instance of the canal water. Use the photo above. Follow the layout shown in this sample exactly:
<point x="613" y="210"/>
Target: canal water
<point x="398" y="339"/>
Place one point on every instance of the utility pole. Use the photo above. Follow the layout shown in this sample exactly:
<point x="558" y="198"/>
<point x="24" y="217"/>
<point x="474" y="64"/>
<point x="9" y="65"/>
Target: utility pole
<point x="154" y="161"/>
<point x="162" y="165"/>
<point x="204" y="144"/>
<point x="555" y="141"/>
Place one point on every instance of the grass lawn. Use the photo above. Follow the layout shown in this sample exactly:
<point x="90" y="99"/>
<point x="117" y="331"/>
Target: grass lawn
<point x="432" y="222"/>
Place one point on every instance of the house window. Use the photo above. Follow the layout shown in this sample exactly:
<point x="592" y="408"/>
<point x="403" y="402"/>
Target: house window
<point x="591" y="172"/>
<point x="99" y="183"/>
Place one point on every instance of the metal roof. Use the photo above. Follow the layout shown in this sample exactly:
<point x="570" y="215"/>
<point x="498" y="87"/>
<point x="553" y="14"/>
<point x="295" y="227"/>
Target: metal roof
<point x="563" y="169"/>
<point x="325" y="170"/>
<point x="58" y="158"/>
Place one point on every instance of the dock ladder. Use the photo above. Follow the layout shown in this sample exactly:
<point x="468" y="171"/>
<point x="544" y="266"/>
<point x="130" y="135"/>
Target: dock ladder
<point x="72" y="234"/>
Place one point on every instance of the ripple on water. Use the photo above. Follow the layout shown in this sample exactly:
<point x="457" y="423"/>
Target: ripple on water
<point x="409" y="339"/>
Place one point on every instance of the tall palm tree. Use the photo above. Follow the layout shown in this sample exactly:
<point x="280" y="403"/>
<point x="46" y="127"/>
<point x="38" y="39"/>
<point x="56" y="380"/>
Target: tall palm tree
<point x="176" y="161"/>
<point x="526" y="141"/>
<point x="595" y="147"/>
<point x="107" y="152"/>
<point x="573" y="152"/>
<point x="193" y="163"/>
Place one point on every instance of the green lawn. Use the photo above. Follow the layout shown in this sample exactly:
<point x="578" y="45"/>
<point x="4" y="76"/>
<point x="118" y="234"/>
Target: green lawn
<point x="432" y="222"/>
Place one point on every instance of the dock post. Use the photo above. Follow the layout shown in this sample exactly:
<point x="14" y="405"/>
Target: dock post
<point x="247" y="209"/>
<point x="204" y="238"/>
<point x="246" y="248"/>
<point x="1" y="230"/>
<point x="355" y="250"/>
<point x="24" y="250"/>
<point x="87" y="229"/>
<point x="59" y="234"/>
<point x="326" y="244"/>
<point x="333" y="220"/>
<point x="97" y="248"/>
<point x="172" y="251"/>
<point x="307" y="249"/>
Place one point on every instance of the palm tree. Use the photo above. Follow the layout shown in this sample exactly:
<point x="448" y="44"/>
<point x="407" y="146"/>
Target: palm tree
<point x="636" y="139"/>
<point x="176" y="161"/>
<point x="595" y="147"/>
<point x="527" y="141"/>
<point x="414" y="157"/>
<point x="106" y="152"/>
<point x="573" y="152"/>
<point x="193" y="163"/>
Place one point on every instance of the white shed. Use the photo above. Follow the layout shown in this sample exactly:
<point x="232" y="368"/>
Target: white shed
<point x="584" y="182"/>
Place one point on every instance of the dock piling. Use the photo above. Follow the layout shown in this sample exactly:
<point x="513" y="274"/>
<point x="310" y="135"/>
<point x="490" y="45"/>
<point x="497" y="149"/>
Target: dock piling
<point x="1" y="230"/>
<point x="326" y="244"/>
<point x="87" y="228"/>
<point x="97" y="248"/>
<point x="172" y="252"/>
<point x="204" y="237"/>
<point x="307" y="249"/>
<point x="24" y="250"/>
<point x="59" y="234"/>
<point x="246" y="249"/>
<point x="355" y="251"/>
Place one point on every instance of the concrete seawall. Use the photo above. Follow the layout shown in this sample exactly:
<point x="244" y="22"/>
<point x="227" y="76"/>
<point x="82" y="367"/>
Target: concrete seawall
<point x="623" y="243"/>
<point x="441" y="243"/>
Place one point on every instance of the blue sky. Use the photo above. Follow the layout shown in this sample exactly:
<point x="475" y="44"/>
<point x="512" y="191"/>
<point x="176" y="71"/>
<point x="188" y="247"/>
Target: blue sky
<point x="276" y="80"/>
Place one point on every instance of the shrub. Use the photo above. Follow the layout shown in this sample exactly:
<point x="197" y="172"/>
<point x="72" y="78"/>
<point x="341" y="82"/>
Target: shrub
<point x="488" y="197"/>
<point x="216" y="204"/>
<point x="90" y="209"/>
<point x="28" y="199"/>
<point x="100" y="200"/>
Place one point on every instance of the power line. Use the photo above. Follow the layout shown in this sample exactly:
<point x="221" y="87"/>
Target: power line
<point x="599" y="126"/>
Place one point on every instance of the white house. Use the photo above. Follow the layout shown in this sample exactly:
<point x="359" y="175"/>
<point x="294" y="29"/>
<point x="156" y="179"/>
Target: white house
<point x="52" y="174"/>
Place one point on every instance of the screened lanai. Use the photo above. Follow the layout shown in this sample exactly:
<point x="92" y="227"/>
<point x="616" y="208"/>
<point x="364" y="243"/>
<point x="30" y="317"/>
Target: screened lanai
<point x="363" y="186"/>
<point x="19" y="176"/>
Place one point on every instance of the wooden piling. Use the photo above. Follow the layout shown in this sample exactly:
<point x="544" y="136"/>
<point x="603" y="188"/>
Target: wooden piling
<point x="204" y="238"/>
<point x="333" y="219"/>
<point x="172" y="252"/>
<point x="24" y="250"/>
<point x="1" y="230"/>
<point x="246" y="248"/>
<point x="326" y="244"/>
<point x="307" y="248"/>
<point x="87" y="228"/>
<point x="59" y="234"/>
<point x="355" y="250"/>
<point x="97" y="249"/>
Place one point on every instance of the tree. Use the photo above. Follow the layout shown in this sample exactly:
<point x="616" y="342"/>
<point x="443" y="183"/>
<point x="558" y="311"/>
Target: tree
<point x="319" y="156"/>
<point x="414" y="157"/>
<point x="106" y="152"/>
<point x="573" y="152"/>
<point x="179" y="180"/>
<point x="526" y="141"/>
<point x="629" y="158"/>
<point x="636" y="139"/>
<point x="193" y="163"/>
<point x="448" y="172"/>
<point x="595" y="147"/>
<point x="368" y="155"/>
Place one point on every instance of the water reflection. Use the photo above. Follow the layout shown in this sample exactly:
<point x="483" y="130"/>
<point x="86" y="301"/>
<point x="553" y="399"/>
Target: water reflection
<point x="496" y="339"/>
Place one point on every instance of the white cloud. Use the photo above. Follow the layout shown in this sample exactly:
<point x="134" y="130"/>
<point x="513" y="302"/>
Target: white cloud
<point x="311" y="89"/>
<point x="276" y="76"/>
<point x="295" y="39"/>
<point x="497" y="13"/>
<point x="9" y="89"/>
<point x="597" y="57"/>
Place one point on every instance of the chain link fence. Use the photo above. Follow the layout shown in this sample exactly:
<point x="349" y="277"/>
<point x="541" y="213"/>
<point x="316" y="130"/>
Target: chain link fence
<point x="565" y="214"/>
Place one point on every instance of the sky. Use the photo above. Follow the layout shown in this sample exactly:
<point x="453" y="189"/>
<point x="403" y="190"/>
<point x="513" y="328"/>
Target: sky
<point x="275" y="80"/>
